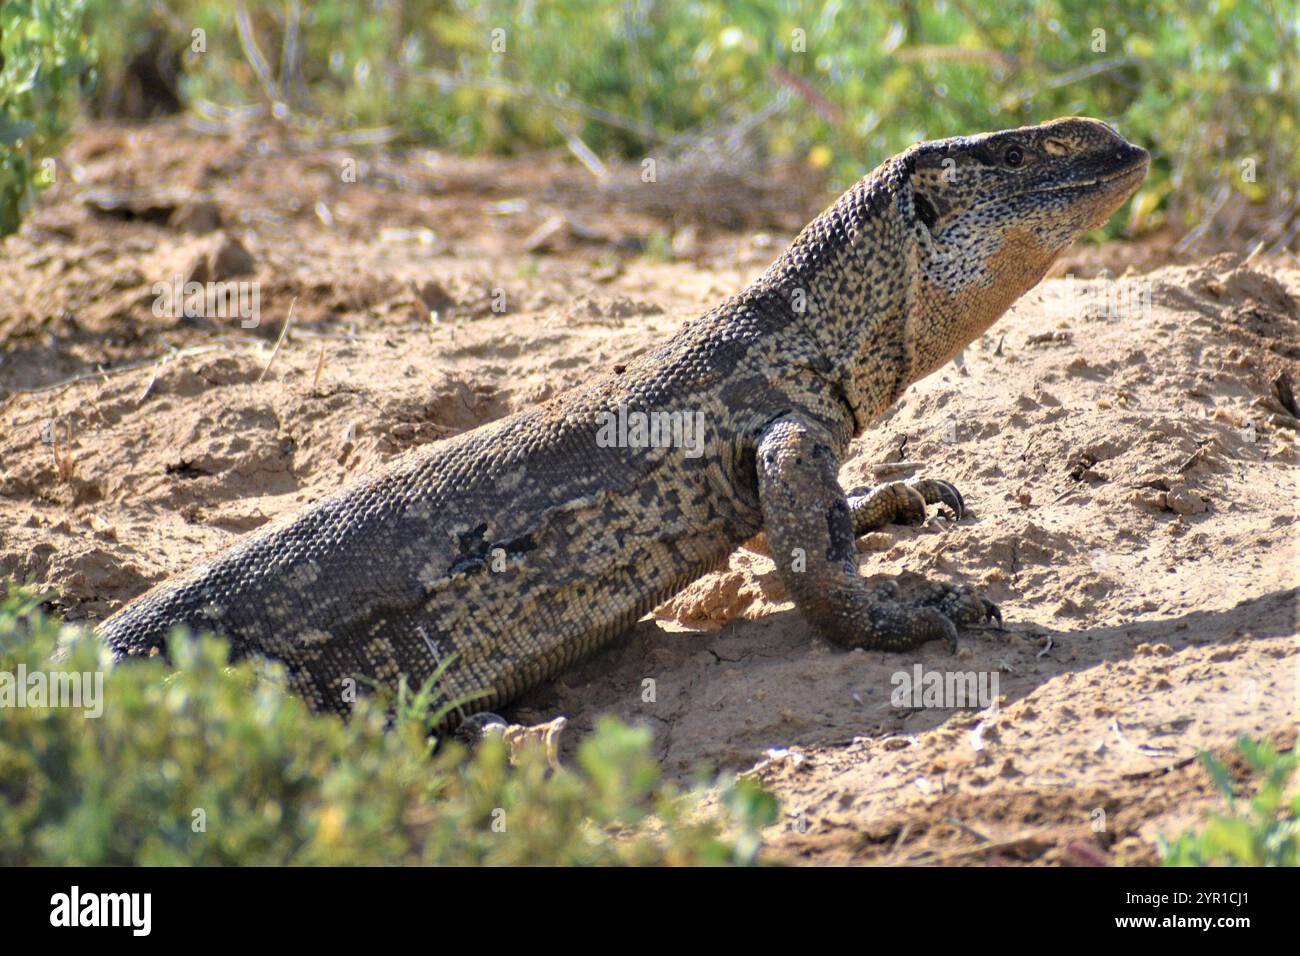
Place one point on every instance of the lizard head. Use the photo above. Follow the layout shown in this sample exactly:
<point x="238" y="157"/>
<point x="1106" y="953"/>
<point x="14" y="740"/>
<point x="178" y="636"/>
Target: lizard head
<point x="992" y="212"/>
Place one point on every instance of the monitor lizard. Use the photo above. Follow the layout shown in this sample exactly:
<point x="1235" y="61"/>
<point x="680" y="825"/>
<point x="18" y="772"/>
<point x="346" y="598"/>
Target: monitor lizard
<point x="504" y="553"/>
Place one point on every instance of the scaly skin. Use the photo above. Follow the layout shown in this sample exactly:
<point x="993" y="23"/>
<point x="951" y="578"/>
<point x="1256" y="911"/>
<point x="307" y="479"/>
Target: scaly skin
<point x="521" y="545"/>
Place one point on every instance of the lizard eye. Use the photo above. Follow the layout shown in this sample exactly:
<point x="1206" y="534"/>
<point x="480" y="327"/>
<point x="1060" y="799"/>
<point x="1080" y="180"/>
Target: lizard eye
<point x="1014" y="157"/>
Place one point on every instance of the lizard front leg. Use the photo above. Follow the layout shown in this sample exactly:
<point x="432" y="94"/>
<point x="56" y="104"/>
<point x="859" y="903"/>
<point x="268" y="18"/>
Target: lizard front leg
<point x="810" y="533"/>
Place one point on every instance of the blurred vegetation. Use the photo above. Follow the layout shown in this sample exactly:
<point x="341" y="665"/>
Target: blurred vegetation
<point x="1213" y="90"/>
<point x="212" y="764"/>
<point x="45" y="57"/>
<point x="1261" y="831"/>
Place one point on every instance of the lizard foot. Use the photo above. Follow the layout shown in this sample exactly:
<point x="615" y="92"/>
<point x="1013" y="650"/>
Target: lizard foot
<point x="517" y="737"/>
<point x="901" y="502"/>
<point x="475" y="727"/>
<point x="898" y="623"/>
<point x="961" y="604"/>
<point x="896" y="626"/>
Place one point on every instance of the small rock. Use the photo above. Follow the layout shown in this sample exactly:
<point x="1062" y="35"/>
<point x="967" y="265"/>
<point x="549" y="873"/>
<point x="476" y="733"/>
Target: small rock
<point x="197" y="217"/>
<point x="1153" y="650"/>
<point x="230" y="259"/>
<point x="434" y="297"/>
<point x="199" y="271"/>
<point x="1182" y="500"/>
<point x="223" y="259"/>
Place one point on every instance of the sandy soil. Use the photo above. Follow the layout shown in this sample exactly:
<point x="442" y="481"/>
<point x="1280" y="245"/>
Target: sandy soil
<point x="1132" y="474"/>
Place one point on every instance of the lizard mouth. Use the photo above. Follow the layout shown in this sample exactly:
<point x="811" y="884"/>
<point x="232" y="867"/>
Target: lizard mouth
<point x="1133" y="169"/>
<point x="1134" y="173"/>
<point x="1123" y="180"/>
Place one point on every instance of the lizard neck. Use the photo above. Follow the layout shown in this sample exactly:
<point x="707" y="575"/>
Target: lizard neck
<point x="849" y="279"/>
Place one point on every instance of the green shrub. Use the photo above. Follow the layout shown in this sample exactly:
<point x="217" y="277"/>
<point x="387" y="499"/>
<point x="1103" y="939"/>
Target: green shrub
<point x="1214" y="92"/>
<point x="1265" y="831"/>
<point x="213" y="764"/>
<point x="45" y="57"/>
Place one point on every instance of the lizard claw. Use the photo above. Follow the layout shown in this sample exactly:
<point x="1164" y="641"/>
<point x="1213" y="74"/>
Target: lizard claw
<point x="992" y="610"/>
<point x="962" y="604"/>
<point x="476" y="727"/>
<point x="936" y="491"/>
<point x="901" y="502"/>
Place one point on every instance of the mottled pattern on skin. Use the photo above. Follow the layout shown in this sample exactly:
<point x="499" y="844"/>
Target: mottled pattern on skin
<point x="517" y="547"/>
<point x="900" y="502"/>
